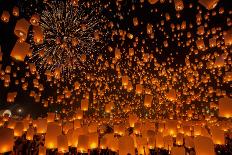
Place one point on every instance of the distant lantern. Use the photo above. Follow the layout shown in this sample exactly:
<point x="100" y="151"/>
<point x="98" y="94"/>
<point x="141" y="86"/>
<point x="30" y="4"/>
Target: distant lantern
<point x="21" y="29"/>
<point x="126" y="145"/>
<point x="135" y="21"/>
<point x="117" y="53"/>
<point x="38" y="35"/>
<point x="51" y="117"/>
<point x="62" y="144"/>
<point x="20" y="50"/>
<point x="200" y="44"/>
<point x="84" y="104"/>
<point x="139" y="89"/>
<point x="6" y="140"/>
<point x="125" y="80"/>
<point x="74" y="2"/>
<point x="132" y="119"/>
<point x="179" y="5"/>
<point x="148" y="100"/>
<point x="83" y="143"/>
<point x="225" y="107"/>
<point x="35" y="18"/>
<point x="203" y="146"/>
<point x="228" y="38"/>
<point x="171" y="95"/>
<point x="209" y="4"/>
<point x="15" y="11"/>
<point x="79" y="114"/>
<point x="5" y="16"/>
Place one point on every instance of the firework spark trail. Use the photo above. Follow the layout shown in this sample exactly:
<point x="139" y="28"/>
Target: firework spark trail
<point x="69" y="32"/>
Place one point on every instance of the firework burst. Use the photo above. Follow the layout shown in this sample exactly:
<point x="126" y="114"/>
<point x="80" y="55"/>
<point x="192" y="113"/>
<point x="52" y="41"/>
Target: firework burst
<point x="72" y="35"/>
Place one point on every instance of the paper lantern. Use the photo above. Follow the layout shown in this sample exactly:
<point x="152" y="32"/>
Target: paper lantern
<point x="111" y="142"/>
<point x="117" y="53"/>
<point x="77" y="124"/>
<point x="93" y="140"/>
<point x="83" y="143"/>
<point x="62" y="144"/>
<point x="137" y="128"/>
<point x="84" y="104"/>
<point x="171" y="128"/>
<point x="171" y="95"/>
<point x="15" y="11"/>
<point x="6" y="140"/>
<point x="228" y="37"/>
<point x="225" y="107"/>
<point x="51" y="117"/>
<point x="30" y="134"/>
<point x="132" y="119"/>
<point x="188" y="142"/>
<point x="92" y="128"/>
<point x="209" y="4"/>
<point x="159" y="140"/>
<point x="70" y="137"/>
<point x="109" y="107"/>
<point x="18" y="130"/>
<point x="20" y="50"/>
<point x="42" y="150"/>
<point x="179" y="139"/>
<point x="5" y="16"/>
<point x="125" y="80"/>
<point x="219" y="62"/>
<point x="35" y="20"/>
<point x="153" y="1"/>
<point x="179" y="5"/>
<point x="38" y="35"/>
<point x="21" y="29"/>
<point x="203" y="146"/>
<point x="148" y="100"/>
<point x="168" y="142"/>
<point x="218" y="136"/>
<point x="67" y="126"/>
<point x="74" y="2"/>
<point x="177" y="151"/>
<point x="126" y="145"/>
<point x="53" y="130"/>
<point x="200" y="44"/>
<point x="142" y="146"/>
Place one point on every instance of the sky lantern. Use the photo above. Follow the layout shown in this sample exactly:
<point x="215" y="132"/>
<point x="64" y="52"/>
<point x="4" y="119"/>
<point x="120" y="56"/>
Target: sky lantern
<point x="6" y="140"/>
<point x="38" y="35"/>
<point x="35" y="18"/>
<point x="117" y="53"/>
<point x="62" y="144"/>
<point x="79" y="114"/>
<point x="15" y="11"/>
<point x="200" y="44"/>
<point x="218" y="136"/>
<point x="5" y="16"/>
<point x="159" y="140"/>
<point x="20" y="50"/>
<point x="153" y="1"/>
<point x="225" y="107"/>
<point x="208" y="4"/>
<point x="30" y="134"/>
<point x="125" y="80"/>
<point x="83" y="143"/>
<point x="93" y="140"/>
<point x="179" y="5"/>
<point x="203" y="146"/>
<point x="74" y="2"/>
<point x="228" y="37"/>
<point x="53" y="130"/>
<point x="132" y="119"/>
<point x="148" y="100"/>
<point x="139" y="88"/>
<point x="21" y="29"/>
<point x="188" y="142"/>
<point x="179" y="139"/>
<point x="168" y="142"/>
<point x="18" y="129"/>
<point x="126" y="145"/>
<point x="84" y="104"/>
<point x="50" y="117"/>
<point x="171" y="95"/>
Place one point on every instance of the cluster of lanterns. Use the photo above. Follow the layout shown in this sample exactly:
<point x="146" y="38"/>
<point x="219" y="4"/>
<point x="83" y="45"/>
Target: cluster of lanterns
<point x="146" y="134"/>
